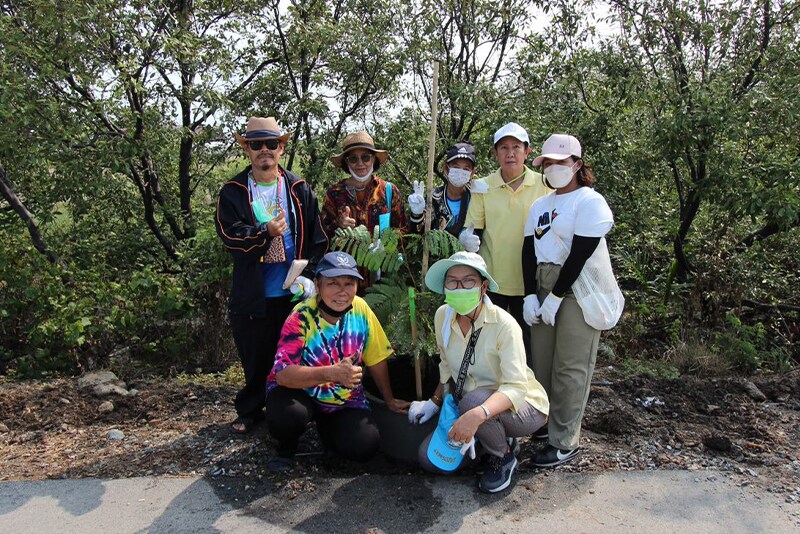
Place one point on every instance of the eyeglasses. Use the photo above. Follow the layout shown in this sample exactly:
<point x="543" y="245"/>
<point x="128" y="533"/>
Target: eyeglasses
<point x="271" y="144"/>
<point x="466" y="283"/>
<point x="353" y="159"/>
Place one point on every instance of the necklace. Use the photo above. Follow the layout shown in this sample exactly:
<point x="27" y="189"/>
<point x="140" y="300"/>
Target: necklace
<point x="515" y="179"/>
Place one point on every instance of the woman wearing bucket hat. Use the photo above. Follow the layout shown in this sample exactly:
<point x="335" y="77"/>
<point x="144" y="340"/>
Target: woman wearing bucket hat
<point x="362" y="198"/>
<point x="562" y="231"/>
<point x="318" y="368"/>
<point x="483" y="362"/>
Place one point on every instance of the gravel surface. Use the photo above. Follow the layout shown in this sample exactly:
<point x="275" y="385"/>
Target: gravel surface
<point x="748" y="428"/>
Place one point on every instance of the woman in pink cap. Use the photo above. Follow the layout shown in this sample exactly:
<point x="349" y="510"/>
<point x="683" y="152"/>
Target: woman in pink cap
<point x="562" y="231"/>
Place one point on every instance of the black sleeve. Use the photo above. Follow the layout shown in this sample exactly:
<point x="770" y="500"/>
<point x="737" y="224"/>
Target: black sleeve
<point x="529" y="265"/>
<point x="582" y="249"/>
<point x="316" y="241"/>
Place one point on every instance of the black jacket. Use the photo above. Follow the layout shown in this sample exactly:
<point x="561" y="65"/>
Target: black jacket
<point x="237" y="227"/>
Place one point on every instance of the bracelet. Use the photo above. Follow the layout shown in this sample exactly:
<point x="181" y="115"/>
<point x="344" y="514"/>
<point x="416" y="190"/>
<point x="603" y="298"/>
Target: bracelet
<point x="486" y="411"/>
<point x="437" y="400"/>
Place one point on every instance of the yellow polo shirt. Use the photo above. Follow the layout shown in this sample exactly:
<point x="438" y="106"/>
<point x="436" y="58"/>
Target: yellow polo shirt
<point x="501" y="213"/>
<point x="499" y="358"/>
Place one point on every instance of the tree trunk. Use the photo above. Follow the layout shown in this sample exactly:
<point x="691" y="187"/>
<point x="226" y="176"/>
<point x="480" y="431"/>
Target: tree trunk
<point x="7" y="189"/>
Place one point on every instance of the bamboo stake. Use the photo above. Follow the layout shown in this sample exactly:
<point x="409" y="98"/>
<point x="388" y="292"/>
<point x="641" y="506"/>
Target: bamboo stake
<point x="431" y="159"/>
<point x="428" y="205"/>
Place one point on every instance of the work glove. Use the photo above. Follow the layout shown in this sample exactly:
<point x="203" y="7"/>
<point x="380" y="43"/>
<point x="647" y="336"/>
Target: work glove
<point x="420" y="411"/>
<point x="303" y="285"/>
<point x="376" y="247"/>
<point x="549" y="309"/>
<point x="469" y="447"/>
<point x="469" y="240"/>
<point x="530" y="309"/>
<point x="416" y="200"/>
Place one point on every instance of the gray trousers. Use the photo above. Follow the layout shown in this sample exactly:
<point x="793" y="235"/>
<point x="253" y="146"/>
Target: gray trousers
<point x="564" y="356"/>
<point x="491" y="434"/>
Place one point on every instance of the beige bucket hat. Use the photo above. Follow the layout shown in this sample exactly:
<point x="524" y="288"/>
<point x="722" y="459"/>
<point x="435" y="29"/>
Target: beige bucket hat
<point x="359" y="140"/>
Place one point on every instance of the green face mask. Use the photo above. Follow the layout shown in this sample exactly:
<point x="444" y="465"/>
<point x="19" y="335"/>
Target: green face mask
<point x="463" y="301"/>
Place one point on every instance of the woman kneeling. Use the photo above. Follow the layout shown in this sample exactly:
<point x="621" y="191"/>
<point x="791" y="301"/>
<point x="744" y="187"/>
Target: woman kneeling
<point x="317" y="372"/>
<point x="483" y="360"/>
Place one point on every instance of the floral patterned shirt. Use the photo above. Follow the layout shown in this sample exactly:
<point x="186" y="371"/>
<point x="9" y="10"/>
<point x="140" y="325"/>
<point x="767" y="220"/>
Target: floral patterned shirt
<point x="365" y="206"/>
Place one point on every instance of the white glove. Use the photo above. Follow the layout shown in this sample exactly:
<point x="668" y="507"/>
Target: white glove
<point x="416" y="200"/>
<point x="549" y="309"/>
<point x="301" y="283"/>
<point x="376" y="247"/>
<point x="420" y="411"/>
<point x="469" y="447"/>
<point x="469" y="240"/>
<point x="530" y="309"/>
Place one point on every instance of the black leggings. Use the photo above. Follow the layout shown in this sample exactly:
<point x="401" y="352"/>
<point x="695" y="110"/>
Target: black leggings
<point x="351" y="433"/>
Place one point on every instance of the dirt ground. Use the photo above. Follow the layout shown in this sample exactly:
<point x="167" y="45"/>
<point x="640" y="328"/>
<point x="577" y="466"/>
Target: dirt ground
<point x="54" y="429"/>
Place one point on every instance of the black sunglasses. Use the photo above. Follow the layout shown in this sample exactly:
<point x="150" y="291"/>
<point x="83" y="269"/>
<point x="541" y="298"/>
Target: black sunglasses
<point x="353" y="159"/>
<point x="271" y="144"/>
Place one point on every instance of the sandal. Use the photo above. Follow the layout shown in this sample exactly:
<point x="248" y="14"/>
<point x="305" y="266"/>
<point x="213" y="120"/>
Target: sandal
<point x="245" y="424"/>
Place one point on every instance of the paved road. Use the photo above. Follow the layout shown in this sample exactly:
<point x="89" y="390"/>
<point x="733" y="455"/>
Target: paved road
<point x="663" y="501"/>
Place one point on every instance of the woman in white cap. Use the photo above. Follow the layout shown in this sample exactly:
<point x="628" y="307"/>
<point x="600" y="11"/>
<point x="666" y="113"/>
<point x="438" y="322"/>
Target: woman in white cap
<point x="562" y="231"/>
<point x="362" y="198"/>
<point x="497" y="211"/>
<point x="483" y="361"/>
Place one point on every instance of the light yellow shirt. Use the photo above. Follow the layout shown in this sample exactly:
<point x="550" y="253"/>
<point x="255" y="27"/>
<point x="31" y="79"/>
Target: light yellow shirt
<point x="499" y="358"/>
<point x="501" y="213"/>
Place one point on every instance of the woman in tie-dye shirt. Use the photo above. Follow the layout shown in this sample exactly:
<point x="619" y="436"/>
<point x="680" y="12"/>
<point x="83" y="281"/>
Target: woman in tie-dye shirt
<point x="318" y="368"/>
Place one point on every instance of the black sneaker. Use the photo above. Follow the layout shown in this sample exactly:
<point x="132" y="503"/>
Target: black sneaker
<point x="551" y="456"/>
<point x="498" y="475"/>
<point x="541" y="434"/>
<point x="483" y="462"/>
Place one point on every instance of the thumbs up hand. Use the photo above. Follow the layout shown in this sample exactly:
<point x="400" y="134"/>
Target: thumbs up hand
<point x="347" y="374"/>
<point x="345" y="220"/>
<point x="416" y="200"/>
<point x="469" y="240"/>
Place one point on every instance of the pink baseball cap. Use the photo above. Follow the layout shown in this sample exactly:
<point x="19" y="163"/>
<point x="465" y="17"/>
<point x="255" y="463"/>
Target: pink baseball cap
<point x="559" y="146"/>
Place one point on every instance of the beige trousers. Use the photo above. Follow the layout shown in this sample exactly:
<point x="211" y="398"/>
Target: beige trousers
<point x="564" y="356"/>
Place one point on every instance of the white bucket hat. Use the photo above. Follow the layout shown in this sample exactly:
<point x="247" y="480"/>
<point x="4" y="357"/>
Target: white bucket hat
<point x="434" y="279"/>
<point x="558" y="147"/>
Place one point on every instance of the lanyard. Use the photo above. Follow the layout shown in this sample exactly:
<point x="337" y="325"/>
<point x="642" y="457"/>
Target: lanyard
<point x="469" y="358"/>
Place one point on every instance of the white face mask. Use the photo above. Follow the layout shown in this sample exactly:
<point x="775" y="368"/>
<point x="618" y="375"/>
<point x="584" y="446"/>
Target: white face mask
<point x="362" y="179"/>
<point x="458" y="177"/>
<point x="558" y="175"/>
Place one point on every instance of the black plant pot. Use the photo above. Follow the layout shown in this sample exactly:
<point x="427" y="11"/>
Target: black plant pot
<point x="400" y="439"/>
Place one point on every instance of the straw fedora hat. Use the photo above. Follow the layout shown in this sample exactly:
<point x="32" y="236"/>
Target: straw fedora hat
<point x="358" y="140"/>
<point x="262" y="128"/>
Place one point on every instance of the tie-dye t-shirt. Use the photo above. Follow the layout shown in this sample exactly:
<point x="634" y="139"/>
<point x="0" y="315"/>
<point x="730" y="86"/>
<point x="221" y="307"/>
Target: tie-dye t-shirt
<point x="308" y="339"/>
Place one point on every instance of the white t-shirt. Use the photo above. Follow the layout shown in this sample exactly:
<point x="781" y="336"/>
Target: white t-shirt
<point x="554" y="219"/>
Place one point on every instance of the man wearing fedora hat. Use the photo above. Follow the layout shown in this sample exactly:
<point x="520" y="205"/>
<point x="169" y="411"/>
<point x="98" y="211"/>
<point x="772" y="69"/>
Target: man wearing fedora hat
<point x="362" y="198"/>
<point x="267" y="218"/>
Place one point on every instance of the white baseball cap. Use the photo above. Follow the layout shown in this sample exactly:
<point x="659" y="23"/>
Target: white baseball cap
<point x="512" y="129"/>
<point x="557" y="147"/>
